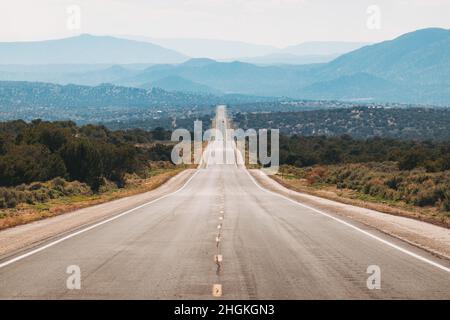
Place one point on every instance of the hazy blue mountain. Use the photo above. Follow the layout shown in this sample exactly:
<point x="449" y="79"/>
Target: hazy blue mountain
<point x="289" y="58"/>
<point x="323" y="48"/>
<point x="224" y="50"/>
<point x="305" y="53"/>
<point x="209" y="48"/>
<point x="413" y="68"/>
<point x="198" y="62"/>
<point x="177" y="83"/>
<point x="86" y="49"/>
<point x="423" y="53"/>
<point x="228" y="77"/>
<point x="418" y="63"/>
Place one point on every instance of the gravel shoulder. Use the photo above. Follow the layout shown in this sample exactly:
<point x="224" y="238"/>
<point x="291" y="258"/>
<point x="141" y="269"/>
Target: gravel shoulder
<point x="433" y="238"/>
<point x="16" y="239"/>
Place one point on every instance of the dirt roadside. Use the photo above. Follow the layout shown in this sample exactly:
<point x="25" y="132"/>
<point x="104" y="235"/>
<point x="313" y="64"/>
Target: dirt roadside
<point x="12" y="240"/>
<point x="432" y="238"/>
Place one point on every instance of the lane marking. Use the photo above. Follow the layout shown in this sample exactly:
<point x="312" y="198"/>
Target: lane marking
<point x="219" y="226"/>
<point x="51" y="244"/>
<point x="217" y="290"/>
<point x="217" y="239"/>
<point x="220" y="218"/>
<point x="218" y="258"/>
<point x="392" y="245"/>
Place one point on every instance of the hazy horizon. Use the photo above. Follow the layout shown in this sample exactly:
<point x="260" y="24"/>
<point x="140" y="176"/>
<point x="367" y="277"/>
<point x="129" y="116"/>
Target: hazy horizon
<point x="276" y="23"/>
<point x="135" y="37"/>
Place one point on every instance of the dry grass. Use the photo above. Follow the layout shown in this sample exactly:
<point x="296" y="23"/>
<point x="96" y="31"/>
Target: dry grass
<point x="25" y="213"/>
<point x="347" y="196"/>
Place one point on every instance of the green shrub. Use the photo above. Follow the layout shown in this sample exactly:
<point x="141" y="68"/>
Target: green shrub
<point x="12" y="203"/>
<point x="58" y="182"/>
<point x="29" y="198"/>
<point x="108" y="186"/>
<point x="393" y="182"/>
<point x="445" y="202"/>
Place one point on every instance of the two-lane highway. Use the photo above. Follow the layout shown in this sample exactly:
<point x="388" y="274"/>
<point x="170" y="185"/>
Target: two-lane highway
<point x="269" y="247"/>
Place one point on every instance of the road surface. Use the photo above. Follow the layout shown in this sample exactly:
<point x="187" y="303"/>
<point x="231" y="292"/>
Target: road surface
<point x="221" y="236"/>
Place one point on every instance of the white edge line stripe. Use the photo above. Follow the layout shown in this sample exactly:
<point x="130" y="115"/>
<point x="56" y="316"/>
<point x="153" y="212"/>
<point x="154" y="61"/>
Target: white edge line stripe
<point x="51" y="244"/>
<point x="412" y="254"/>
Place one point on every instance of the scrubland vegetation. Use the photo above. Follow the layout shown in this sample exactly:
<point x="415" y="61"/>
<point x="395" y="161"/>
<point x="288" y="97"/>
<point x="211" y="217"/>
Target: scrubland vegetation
<point x="406" y="174"/>
<point x="58" y="163"/>
<point x="381" y="181"/>
<point x="45" y="199"/>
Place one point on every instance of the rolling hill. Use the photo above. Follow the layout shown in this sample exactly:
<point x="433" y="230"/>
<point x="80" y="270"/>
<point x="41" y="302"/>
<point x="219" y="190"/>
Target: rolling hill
<point x="22" y="94"/>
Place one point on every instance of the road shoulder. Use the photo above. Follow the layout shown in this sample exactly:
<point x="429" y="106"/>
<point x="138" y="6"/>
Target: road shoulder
<point x="432" y="238"/>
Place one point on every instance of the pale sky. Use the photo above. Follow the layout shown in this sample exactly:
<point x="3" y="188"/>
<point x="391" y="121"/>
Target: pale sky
<point x="274" y="22"/>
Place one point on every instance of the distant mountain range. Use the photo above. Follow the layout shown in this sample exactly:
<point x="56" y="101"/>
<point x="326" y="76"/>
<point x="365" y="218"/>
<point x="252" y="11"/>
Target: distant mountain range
<point x="307" y="52"/>
<point x="413" y="68"/>
<point x="209" y="48"/>
<point x="90" y="49"/>
<point x="288" y="58"/>
<point x="224" y="50"/>
<point x="325" y="48"/>
<point x="422" y="57"/>
<point x="86" y="49"/>
<point x="227" y="77"/>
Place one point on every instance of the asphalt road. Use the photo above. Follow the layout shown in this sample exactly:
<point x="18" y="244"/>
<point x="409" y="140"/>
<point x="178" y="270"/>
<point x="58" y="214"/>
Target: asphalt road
<point x="221" y="236"/>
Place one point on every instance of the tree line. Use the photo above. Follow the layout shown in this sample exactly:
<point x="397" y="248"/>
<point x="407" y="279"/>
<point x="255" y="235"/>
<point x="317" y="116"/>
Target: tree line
<point x="308" y="151"/>
<point x="41" y="151"/>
